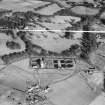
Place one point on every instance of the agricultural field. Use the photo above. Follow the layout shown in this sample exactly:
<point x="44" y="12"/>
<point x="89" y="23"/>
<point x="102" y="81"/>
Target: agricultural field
<point x="52" y="52"/>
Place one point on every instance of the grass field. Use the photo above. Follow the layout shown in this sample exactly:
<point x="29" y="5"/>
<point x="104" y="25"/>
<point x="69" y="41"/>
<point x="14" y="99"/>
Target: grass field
<point x="72" y="91"/>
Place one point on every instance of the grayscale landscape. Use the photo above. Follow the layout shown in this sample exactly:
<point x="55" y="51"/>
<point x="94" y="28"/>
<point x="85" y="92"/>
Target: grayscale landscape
<point x="52" y="52"/>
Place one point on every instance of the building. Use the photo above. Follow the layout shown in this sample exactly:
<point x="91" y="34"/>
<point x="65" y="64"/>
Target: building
<point x="52" y="62"/>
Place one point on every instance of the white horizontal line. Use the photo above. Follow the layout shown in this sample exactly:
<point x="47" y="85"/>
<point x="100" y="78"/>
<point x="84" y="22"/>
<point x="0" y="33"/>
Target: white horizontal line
<point x="56" y="30"/>
<point x="65" y="31"/>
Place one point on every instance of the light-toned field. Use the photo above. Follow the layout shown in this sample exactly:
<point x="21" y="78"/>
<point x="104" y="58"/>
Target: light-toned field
<point x="53" y="39"/>
<point x="23" y="64"/>
<point x="52" y="42"/>
<point x="73" y="91"/>
<point x="84" y="10"/>
<point x="52" y="76"/>
<point x="21" y="5"/>
<point x="14" y="77"/>
<point x="98" y="57"/>
<point x="3" y="48"/>
<point x="49" y="10"/>
<point x="100" y="100"/>
<point x="56" y="5"/>
<point x="7" y="95"/>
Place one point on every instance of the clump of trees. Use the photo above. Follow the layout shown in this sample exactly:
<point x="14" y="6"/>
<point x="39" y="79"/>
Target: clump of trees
<point x="13" y="45"/>
<point x="71" y="51"/>
<point x="13" y="56"/>
<point x="99" y="3"/>
<point x="88" y="44"/>
<point x="68" y="35"/>
<point x="102" y="35"/>
<point x="102" y="20"/>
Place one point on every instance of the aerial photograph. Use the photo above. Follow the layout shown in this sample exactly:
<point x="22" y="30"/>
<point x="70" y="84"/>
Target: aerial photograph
<point x="52" y="52"/>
